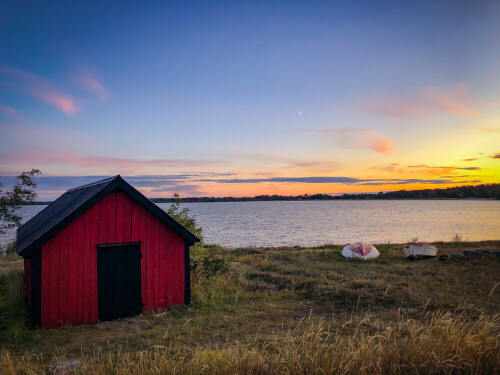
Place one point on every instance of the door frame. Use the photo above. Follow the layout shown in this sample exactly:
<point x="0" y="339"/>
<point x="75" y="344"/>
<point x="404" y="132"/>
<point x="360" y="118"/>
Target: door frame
<point x="103" y="247"/>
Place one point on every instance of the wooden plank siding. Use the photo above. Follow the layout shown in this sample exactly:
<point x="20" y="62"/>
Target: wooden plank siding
<point x="170" y="267"/>
<point x="69" y="290"/>
<point x="73" y="273"/>
<point x="163" y="267"/>
<point x="53" y="254"/>
<point x="80" y="223"/>
<point x="63" y="284"/>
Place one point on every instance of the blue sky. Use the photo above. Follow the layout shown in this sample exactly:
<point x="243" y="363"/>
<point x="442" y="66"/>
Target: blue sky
<point x="285" y="90"/>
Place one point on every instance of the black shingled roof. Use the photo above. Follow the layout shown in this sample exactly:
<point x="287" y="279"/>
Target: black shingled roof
<point x="75" y="202"/>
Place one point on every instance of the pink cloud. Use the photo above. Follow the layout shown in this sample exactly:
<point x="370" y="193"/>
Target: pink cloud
<point x="455" y="100"/>
<point x="490" y="129"/>
<point x="359" y="138"/>
<point x="386" y="104"/>
<point x="41" y="89"/>
<point x="9" y="111"/>
<point x="89" y="82"/>
<point x="49" y="137"/>
<point x="26" y="158"/>
<point x="274" y="157"/>
<point x="440" y="170"/>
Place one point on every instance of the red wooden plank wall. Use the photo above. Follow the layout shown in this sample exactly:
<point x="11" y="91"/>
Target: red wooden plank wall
<point x="69" y="260"/>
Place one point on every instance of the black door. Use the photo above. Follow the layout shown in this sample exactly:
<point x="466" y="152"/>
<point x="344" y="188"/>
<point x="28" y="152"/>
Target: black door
<point x="119" y="280"/>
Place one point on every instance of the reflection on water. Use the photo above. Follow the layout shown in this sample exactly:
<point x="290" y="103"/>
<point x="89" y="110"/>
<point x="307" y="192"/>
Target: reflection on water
<point x="304" y="223"/>
<point x="319" y="222"/>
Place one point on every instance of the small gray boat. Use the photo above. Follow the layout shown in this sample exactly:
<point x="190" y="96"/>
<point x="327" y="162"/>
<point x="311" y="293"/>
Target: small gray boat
<point x="419" y="250"/>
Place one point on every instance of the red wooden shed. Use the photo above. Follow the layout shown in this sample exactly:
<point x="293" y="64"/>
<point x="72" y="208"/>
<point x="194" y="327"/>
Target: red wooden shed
<point x="100" y="252"/>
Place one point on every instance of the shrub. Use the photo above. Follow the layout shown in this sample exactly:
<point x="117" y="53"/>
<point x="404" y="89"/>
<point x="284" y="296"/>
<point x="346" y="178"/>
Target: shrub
<point x="10" y="248"/>
<point x="184" y="217"/>
<point x="213" y="265"/>
<point x="205" y="261"/>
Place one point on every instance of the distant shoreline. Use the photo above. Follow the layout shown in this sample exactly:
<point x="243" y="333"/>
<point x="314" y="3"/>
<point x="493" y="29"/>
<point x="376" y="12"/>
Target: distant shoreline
<point x="237" y="200"/>
<point x="469" y="192"/>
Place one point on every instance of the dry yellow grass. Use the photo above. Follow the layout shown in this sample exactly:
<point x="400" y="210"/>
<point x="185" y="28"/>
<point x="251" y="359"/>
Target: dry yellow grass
<point x="443" y="344"/>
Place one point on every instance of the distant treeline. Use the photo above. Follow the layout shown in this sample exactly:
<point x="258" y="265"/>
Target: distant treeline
<point x="491" y="191"/>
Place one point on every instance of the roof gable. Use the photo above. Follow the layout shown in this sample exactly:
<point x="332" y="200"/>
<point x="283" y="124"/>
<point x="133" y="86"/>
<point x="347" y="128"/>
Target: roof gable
<point x="74" y="203"/>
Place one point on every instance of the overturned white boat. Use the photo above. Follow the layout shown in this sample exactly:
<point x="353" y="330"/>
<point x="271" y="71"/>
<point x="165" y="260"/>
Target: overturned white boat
<point x="363" y="250"/>
<point x="419" y="250"/>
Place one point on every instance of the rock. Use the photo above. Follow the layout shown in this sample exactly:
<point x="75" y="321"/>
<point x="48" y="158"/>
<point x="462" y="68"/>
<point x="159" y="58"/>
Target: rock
<point x="136" y="324"/>
<point x="65" y="367"/>
<point x="442" y="258"/>
<point x="457" y="255"/>
<point x="234" y="263"/>
<point x="106" y="325"/>
<point x="472" y="254"/>
<point x="161" y="314"/>
<point x="190" y="309"/>
<point x="485" y="252"/>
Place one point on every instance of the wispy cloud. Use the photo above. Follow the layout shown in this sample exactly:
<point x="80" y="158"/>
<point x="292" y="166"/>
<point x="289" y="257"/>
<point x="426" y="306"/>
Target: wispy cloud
<point x="425" y="166"/>
<point x="358" y="138"/>
<point x="39" y="134"/>
<point x="89" y="82"/>
<point x="438" y="170"/>
<point x="44" y="157"/>
<point x="490" y="129"/>
<point x="9" y="111"/>
<point x="195" y="184"/>
<point x="495" y="156"/>
<point x="309" y="180"/>
<point x="337" y="180"/>
<point x="454" y="100"/>
<point x="40" y="88"/>
<point x="423" y="169"/>
<point x="50" y="187"/>
<point x="278" y="159"/>
<point x="386" y="105"/>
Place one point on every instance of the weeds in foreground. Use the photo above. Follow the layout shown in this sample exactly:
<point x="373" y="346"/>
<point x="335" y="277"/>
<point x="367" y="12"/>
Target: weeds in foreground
<point x="13" y="304"/>
<point x="413" y="240"/>
<point x="443" y="343"/>
<point x="457" y="238"/>
<point x="213" y="292"/>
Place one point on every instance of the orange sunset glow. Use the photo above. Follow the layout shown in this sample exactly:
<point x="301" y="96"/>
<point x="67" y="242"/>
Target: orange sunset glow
<point x="241" y="107"/>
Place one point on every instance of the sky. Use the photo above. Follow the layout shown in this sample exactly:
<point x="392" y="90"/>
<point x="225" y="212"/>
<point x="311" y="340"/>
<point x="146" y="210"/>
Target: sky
<point x="246" y="98"/>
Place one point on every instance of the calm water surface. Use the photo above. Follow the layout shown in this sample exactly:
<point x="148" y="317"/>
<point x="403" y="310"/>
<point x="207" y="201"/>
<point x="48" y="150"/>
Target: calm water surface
<point x="237" y="224"/>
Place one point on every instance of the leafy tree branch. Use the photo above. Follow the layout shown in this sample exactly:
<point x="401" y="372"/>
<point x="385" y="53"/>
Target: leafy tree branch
<point x="10" y="201"/>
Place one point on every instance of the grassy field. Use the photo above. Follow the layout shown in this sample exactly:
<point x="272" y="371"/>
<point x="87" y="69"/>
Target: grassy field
<point x="287" y="310"/>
